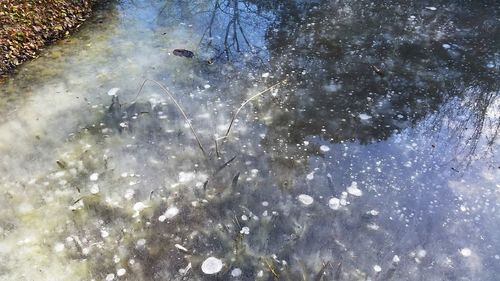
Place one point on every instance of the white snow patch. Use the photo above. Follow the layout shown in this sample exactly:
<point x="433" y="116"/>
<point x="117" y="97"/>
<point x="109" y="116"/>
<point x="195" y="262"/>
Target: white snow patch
<point x="354" y="190"/>
<point x="211" y="265"/>
<point x="305" y="199"/>
<point x="265" y="75"/>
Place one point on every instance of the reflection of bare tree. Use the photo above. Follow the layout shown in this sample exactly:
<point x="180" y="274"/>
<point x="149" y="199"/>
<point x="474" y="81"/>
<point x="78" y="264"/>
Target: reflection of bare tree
<point x="471" y="124"/>
<point x="228" y="27"/>
<point x="229" y="14"/>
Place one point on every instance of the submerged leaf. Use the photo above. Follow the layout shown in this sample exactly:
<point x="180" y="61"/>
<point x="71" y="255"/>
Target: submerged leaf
<point x="183" y="53"/>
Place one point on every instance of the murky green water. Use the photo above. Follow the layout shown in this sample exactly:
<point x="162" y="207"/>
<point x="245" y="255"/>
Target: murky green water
<point x="374" y="158"/>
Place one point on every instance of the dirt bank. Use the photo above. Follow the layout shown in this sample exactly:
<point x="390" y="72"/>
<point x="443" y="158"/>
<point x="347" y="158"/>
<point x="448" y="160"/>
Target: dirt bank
<point x="26" y="26"/>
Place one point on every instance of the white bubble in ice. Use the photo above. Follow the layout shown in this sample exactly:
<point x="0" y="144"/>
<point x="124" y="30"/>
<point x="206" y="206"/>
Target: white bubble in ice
<point x="121" y="272"/>
<point x="377" y="268"/>
<point x="265" y="75"/>
<point x="310" y="176"/>
<point x="104" y="233"/>
<point x="59" y="247"/>
<point x="305" y="199"/>
<point x="245" y="230"/>
<point x="94" y="189"/>
<point x="446" y="46"/>
<point x="466" y="252"/>
<point x="396" y="259"/>
<point x="129" y="194"/>
<point x="171" y="212"/>
<point x="331" y="87"/>
<point x="211" y="265"/>
<point x="236" y="272"/>
<point x="431" y="8"/>
<point x="180" y="247"/>
<point x="354" y="190"/>
<point x="139" y="206"/>
<point x="186" y="176"/>
<point x="421" y="253"/>
<point x="324" y="148"/>
<point x="94" y="177"/>
<point x="113" y="91"/>
<point x="334" y="203"/>
<point x="207" y="86"/>
<point x="364" y="116"/>
<point x="110" y="277"/>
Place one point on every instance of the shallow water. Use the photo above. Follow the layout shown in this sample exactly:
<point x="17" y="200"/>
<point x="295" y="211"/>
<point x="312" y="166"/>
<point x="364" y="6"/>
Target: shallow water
<point x="374" y="158"/>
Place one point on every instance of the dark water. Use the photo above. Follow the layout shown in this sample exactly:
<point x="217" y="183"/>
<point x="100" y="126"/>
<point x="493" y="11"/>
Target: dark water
<point x="374" y="156"/>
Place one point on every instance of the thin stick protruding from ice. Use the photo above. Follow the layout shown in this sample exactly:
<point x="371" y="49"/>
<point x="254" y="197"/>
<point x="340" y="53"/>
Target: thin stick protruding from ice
<point x="178" y="107"/>
<point x="243" y="105"/>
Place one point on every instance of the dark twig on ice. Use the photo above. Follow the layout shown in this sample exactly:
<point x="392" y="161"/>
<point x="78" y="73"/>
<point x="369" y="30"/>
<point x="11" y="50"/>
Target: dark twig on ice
<point x="235" y="180"/>
<point x="225" y="165"/>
